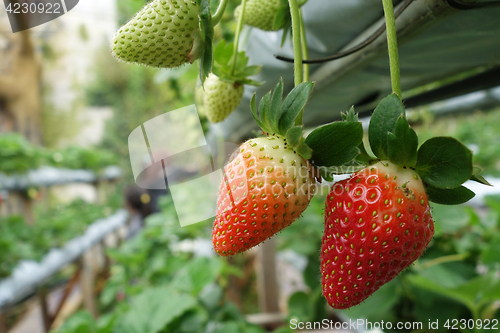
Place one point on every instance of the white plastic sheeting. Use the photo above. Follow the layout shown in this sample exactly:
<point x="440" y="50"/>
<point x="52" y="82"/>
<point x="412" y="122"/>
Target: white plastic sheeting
<point x="30" y="275"/>
<point x="49" y="176"/>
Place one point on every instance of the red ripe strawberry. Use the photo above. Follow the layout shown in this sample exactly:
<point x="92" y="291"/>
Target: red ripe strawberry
<point x="376" y="224"/>
<point x="267" y="186"/>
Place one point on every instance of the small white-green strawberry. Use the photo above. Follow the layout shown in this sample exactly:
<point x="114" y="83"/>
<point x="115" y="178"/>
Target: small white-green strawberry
<point x="261" y="14"/>
<point x="220" y="98"/>
<point x="223" y="89"/>
<point x="164" y="33"/>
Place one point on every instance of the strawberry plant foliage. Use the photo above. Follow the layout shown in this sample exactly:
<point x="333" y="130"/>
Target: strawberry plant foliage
<point x="223" y="58"/>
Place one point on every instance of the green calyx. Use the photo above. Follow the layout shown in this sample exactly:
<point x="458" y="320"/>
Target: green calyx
<point x="223" y="60"/>
<point x="337" y="143"/>
<point x="276" y="116"/>
<point x="443" y="163"/>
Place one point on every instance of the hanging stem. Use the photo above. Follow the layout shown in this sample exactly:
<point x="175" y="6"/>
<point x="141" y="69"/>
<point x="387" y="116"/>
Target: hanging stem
<point x="237" y="35"/>
<point x="297" y="49"/>
<point x="219" y="13"/>
<point x="442" y="260"/>
<point x="392" y="43"/>
<point x="305" y="50"/>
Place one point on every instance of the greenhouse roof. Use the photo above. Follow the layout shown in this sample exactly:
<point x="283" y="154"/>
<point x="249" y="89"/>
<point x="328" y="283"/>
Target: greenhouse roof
<point x="437" y="38"/>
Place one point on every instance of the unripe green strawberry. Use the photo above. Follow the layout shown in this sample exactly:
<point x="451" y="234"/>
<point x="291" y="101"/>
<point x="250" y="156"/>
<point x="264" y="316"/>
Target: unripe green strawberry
<point x="165" y="33"/>
<point x="220" y="98"/>
<point x="266" y="187"/>
<point x="376" y="224"/>
<point x="260" y="13"/>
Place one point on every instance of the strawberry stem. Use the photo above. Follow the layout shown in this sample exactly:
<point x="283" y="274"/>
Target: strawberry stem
<point x="442" y="260"/>
<point x="237" y="35"/>
<point x="297" y="50"/>
<point x="219" y="13"/>
<point x="305" y="51"/>
<point x="392" y="44"/>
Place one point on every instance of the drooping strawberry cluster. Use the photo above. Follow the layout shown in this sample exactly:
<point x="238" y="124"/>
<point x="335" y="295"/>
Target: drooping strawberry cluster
<point x="377" y="222"/>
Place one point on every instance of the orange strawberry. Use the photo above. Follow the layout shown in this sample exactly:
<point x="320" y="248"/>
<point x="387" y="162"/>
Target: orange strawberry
<point x="268" y="182"/>
<point x="267" y="186"/>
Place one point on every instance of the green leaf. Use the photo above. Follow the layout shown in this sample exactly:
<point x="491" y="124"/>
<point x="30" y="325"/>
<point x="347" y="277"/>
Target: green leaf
<point x="223" y="52"/>
<point x="207" y="35"/>
<point x="474" y="294"/>
<point x="293" y="135"/>
<point x="207" y="60"/>
<point x="293" y="104"/>
<point x="300" y="307"/>
<point x="252" y="70"/>
<point x="249" y="82"/>
<point x="303" y="149"/>
<point x="203" y="271"/>
<point x="363" y="156"/>
<point x="449" y="219"/>
<point x="204" y="9"/>
<point x="378" y="305"/>
<point x="491" y="253"/>
<point x="264" y="112"/>
<point x="276" y="101"/>
<point x="335" y="144"/>
<point x="444" y="162"/>
<point x="255" y="115"/>
<point x="210" y="296"/>
<point x="480" y="179"/>
<point x="281" y="17"/>
<point x="153" y="309"/>
<point x="326" y="175"/>
<point x="241" y="60"/>
<point x="402" y="144"/>
<point x="81" y="321"/>
<point x="287" y="29"/>
<point x="350" y="116"/>
<point x="223" y="65"/>
<point x="455" y="196"/>
<point x="383" y="121"/>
